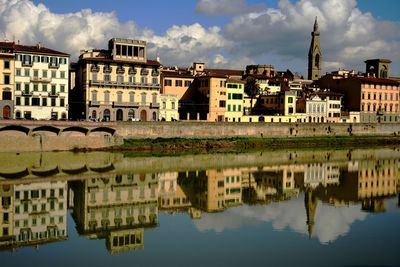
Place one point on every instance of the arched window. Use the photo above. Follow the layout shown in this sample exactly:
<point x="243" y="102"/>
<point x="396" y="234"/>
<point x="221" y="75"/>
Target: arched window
<point x="154" y="116"/>
<point x="317" y="58"/>
<point x="106" y="115"/>
<point x="94" y="115"/>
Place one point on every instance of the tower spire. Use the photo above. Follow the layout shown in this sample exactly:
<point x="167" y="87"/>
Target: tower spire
<point x="316" y="24"/>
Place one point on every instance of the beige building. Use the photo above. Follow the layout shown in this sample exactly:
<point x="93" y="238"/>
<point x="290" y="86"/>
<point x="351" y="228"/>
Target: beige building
<point x="116" y="207"/>
<point x="6" y="215"/>
<point x="40" y="213"/>
<point x="41" y="83"/>
<point x="171" y="197"/>
<point x="118" y="84"/>
<point x="168" y="107"/>
<point x="7" y="80"/>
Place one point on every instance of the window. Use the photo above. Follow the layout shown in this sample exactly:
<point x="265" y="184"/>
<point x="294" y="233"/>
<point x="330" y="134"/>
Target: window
<point x="222" y="83"/>
<point x="143" y="99"/>
<point x="62" y="88"/>
<point x="119" y="97"/>
<point x="290" y="100"/>
<point x="94" y="76"/>
<point x="6" y="64"/>
<point x="131" y="97"/>
<point x="173" y="105"/>
<point x="120" y="79"/>
<point x="44" y="73"/>
<point x="144" y="80"/>
<point x="44" y="102"/>
<point x="18" y="72"/>
<point x="94" y="96"/>
<point x="222" y="103"/>
<point x="188" y="83"/>
<point x="229" y="96"/>
<point x="53" y="74"/>
<point x="234" y="108"/>
<point x="35" y="101"/>
<point x="35" y="87"/>
<point x="178" y="83"/>
<point x="154" y="99"/>
<point x="62" y="74"/>
<point x="167" y="82"/>
<point x="44" y="87"/>
<point x="7" y="95"/>
<point x="53" y="102"/>
<point x="62" y="102"/>
<point x="164" y="105"/>
<point x="35" y="73"/>
<point x="6" y="79"/>
<point x="53" y="89"/>
<point x="18" y="101"/>
<point x="26" y="101"/>
<point x="106" y="97"/>
<point x="239" y="108"/>
<point x="132" y="79"/>
<point x="155" y="80"/>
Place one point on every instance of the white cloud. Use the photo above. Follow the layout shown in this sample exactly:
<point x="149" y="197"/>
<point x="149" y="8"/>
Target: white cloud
<point x="330" y="222"/>
<point x="225" y="7"/>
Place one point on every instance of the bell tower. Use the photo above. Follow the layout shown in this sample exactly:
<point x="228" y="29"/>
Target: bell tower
<point x="315" y="55"/>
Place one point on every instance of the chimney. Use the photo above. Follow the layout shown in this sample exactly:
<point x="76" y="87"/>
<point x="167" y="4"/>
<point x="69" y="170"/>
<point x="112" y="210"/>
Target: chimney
<point x="39" y="45"/>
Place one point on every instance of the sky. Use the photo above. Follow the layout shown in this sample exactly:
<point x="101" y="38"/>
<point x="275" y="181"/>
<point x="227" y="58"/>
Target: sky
<point x="221" y="33"/>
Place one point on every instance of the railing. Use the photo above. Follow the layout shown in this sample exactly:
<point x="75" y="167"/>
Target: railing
<point x="27" y="93"/>
<point x="27" y="63"/>
<point x="125" y="104"/>
<point x="154" y="105"/>
<point x="53" y="65"/>
<point x="132" y="71"/>
<point x="155" y="73"/>
<point x="144" y="72"/>
<point x="120" y="70"/>
<point x="95" y="69"/>
<point x="107" y="69"/>
<point x="124" y="84"/>
<point x="53" y="94"/>
<point x="41" y="79"/>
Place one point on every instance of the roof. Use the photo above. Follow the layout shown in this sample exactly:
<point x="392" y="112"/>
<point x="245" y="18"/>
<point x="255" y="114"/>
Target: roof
<point x="224" y="72"/>
<point x="377" y="80"/>
<point x="176" y="74"/>
<point x="110" y="60"/>
<point x="37" y="49"/>
<point x="326" y="93"/>
<point x="235" y="81"/>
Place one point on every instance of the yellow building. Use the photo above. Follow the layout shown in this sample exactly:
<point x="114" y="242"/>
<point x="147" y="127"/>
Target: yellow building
<point x="6" y="80"/>
<point x="41" y="83"/>
<point x="168" y="107"/>
<point x="119" y="83"/>
<point x="234" y="103"/>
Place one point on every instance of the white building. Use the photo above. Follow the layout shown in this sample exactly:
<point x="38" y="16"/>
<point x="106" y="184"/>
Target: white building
<point x="41" y="83"/>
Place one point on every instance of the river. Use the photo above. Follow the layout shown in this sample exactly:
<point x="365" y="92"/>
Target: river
<point x="282" y="207"/>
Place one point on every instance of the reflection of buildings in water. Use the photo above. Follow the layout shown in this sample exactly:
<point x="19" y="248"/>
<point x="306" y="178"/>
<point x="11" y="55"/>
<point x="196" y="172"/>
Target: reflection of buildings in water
<point x="171" y="197"/>
<point x="272" y="183"/>
<point x="212" y="190"/>
<point x="324" y="174"/>
<point x="38" y="214"/>
<point x="6" y="214"/>
<point x="116" y="208"/>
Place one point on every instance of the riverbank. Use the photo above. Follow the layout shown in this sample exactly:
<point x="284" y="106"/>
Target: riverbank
<point x="240" y="144"/>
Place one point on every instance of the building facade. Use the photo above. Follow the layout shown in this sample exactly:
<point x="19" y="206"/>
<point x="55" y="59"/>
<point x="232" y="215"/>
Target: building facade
<point x="6" y="80"/>
<point x="168" y="107"/>
<point x="118" y="84"/>
<point x="41" y="83"/>
<point x="234" y="102"/>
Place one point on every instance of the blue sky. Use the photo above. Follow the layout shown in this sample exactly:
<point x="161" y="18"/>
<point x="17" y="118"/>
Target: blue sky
<point x="222" y="33"/>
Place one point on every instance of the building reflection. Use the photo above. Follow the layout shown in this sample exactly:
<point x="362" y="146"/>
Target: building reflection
<point x="120" y="207"/>
<point x="116" y="208"/>
<point x="33" y="214"/>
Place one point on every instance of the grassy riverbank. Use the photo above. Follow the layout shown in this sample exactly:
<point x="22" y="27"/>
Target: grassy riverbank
<point x="187" y="145"/>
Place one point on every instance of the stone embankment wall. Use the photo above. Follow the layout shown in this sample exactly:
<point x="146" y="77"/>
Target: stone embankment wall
<point x="19" y="136"/>
<point x="139" y="130"/>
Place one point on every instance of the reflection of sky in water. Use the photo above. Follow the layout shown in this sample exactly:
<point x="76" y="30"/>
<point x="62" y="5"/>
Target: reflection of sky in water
<point x="330" y="222"/>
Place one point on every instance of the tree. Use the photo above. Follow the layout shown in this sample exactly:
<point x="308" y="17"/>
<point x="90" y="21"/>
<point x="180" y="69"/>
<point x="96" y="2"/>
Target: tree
<point x="252" y="89"/>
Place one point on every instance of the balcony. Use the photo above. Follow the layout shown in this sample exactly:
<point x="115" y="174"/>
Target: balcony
<point x="40" y="80"/>
<point x="53" y="94"/>
<point x="118" y="104"/>
<point x="27" y="63"/>
<point x="154" y="105"/>
<point x="95" y="68"/>
<point x="121" y="70"/>
<point x="155" y="73"/>
<point x="147" y="86"/>
<point x="107" y="69"/>
<point x="27" y="93"/>
<point x="144" y="72"/>
<point x="53" y="65"/>
<point x="94" y="103"/>
<point x="132" y="71"/>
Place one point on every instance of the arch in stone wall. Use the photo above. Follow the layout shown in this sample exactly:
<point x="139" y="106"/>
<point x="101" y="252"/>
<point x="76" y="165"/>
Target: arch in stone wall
<point x="51" y="129"/>
<point x="17" y="128"/>
<point x="104" y="129"/>
<point x="76" y="129"/>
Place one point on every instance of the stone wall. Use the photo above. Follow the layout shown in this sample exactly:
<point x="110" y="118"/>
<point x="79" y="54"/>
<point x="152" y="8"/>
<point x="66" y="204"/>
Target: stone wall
<point x="39" y="139"/>
<point x="139" y="130"/>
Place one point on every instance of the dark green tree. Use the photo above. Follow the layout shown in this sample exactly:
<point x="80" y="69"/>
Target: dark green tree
<point x="252" y="89"/>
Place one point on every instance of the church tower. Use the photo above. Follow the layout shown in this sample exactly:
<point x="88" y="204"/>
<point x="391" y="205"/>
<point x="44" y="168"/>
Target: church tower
<point x="311" y="203"/>
<point x="314" y="55"/>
